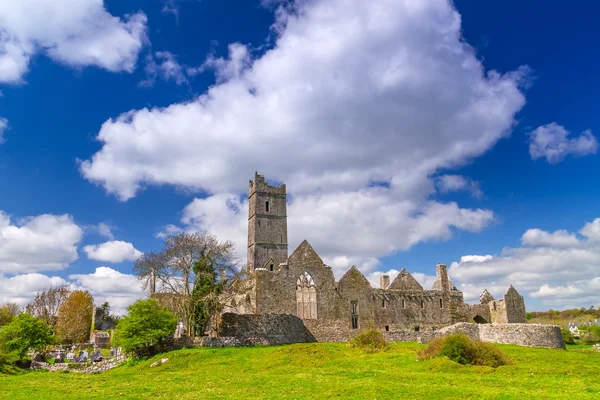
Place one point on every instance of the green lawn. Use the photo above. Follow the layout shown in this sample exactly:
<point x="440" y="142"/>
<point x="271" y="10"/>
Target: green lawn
<point x="323" y="371"/>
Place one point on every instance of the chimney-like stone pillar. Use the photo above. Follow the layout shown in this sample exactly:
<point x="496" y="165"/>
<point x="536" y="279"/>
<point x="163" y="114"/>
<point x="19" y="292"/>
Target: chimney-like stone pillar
<point x="384" y="281"/>
<point x="442" y="276"/>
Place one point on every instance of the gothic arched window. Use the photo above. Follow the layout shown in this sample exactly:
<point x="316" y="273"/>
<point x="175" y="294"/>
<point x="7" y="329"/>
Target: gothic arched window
<point x="306" y="297"/>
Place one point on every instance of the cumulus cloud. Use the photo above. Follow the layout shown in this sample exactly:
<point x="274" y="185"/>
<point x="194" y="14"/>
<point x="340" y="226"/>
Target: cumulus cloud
<point x="391" y="91"/>
<point x="105" y="284"/>
<point x="21" y="289"/>
<point x="163" y="65"/>
<point x="455" y="183"/>
<point x="538" y="237"/>
<point x="115" y="251"/>
<point x="356" y="108"/>
<point x="552" y="142"/>
<point x="41" y="243"/>
<point x="557" y="268"/>
<point x="74" y="33"/>
<point x="346" y="229"/>
<point x="3" y="127"/>
<point x="425" y="280"/>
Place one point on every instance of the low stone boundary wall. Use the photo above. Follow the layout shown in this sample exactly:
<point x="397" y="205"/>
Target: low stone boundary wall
<point x="273" y="329"/>
<point x="409" y="336"/>
<point x="531" y="335"/>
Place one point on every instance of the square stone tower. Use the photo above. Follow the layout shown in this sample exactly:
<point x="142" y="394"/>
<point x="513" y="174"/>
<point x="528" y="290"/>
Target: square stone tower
<point x="267" y="225"/>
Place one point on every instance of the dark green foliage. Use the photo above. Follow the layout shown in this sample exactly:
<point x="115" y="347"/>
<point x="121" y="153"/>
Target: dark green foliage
<point x="7" y="361"/>
<point x="567" y="336"/>
<point x="104" y="321"/>
<point x="205" y="295"/>
<point x="463" y="350"/>
<point x="146" y="330"/>
<point x="23" y="333"/>
<point x="370" y="340"/>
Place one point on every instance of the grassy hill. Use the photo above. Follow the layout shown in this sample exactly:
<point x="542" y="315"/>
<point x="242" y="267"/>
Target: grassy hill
<point x="323" y="370"/>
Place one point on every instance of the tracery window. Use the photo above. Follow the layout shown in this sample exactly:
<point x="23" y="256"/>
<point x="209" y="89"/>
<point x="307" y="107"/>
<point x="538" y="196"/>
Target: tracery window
<point x="306" y="297"/>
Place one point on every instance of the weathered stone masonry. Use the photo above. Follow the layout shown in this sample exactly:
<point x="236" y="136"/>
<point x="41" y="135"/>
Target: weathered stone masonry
<point x="303" y="286"/>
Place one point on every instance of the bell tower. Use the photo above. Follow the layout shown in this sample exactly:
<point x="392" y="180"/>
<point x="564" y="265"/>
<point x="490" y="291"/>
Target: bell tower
<point x="267" y="225"/>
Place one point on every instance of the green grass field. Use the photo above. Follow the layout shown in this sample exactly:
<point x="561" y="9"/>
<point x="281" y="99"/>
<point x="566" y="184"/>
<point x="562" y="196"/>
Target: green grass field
<point x="323" y="371"/>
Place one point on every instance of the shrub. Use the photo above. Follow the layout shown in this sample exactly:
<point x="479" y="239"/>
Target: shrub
<point x="567" y="336"/>
<point x="590" y="335"/>
<point x="146" y="330"/>
<point x="23" y="333"/>
<point x="461" y="349"/>
<point x="370" y="340"/>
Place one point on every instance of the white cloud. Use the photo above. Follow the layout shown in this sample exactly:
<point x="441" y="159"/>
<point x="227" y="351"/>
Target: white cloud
<point x="21" y="289"/>
<point x="115" y="251"/>
<point x="163" y="65"/>
<point x="75" y="33"/>
<point x="455" y="183"/>
<point x="105" y="230"/>
<point x="170" y="7"/>
<point x="3" y="127"/>
<point x="552" y="142"/>
<point x="556" y="268"/>
<point x="538" y="237"/>
<point x="41" y="243"/>
<point x="346" y="229"/>
<point x="355" y="107"/>
<point x="105" y="284"/>
<point x="391" y="91"/>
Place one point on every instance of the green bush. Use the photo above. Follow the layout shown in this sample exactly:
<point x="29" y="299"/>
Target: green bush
<point x="589" y="334"/>
<point x="23" y="333"/>
<point x="463" y="350"/>
<point x="567" y="336"/>
<point x="370" y="340"/>
<point x="146" y="330"/>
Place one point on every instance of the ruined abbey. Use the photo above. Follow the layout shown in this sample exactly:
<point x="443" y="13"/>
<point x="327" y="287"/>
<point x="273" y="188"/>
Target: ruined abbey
<point x="301" y="285"/>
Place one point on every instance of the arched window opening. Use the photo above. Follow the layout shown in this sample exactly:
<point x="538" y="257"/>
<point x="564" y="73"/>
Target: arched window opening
<point x="306" y="297"/>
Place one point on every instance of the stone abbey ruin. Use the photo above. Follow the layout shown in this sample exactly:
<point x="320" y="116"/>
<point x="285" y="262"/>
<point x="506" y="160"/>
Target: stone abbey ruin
<point x="295" y="298"/>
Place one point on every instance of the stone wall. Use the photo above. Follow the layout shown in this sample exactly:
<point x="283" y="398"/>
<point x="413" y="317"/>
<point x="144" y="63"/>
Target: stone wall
<point x="531" y="335"/>
<point x="266" y="329"/>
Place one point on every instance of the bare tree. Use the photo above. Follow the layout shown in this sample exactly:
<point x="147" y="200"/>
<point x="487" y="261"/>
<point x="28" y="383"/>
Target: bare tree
<point x="45" y="305"/>
<point x="170" y="274"/>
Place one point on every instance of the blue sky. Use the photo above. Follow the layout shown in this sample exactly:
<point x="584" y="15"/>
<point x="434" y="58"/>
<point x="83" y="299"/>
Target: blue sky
<point x="493" y="173"/>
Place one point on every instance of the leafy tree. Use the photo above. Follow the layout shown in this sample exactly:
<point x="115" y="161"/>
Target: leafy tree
<point x="188" y="260"/>
<point x="75" y="317"/>
<point x="46" y="304"/>
<point x="8" y="312"/>
<point x="146" y="329"/>
<point x="103" y="318"/>
<point x="23" y="333"/>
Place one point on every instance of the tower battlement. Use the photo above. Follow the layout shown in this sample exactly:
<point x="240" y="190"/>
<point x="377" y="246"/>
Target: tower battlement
<point x="259" y="184"/>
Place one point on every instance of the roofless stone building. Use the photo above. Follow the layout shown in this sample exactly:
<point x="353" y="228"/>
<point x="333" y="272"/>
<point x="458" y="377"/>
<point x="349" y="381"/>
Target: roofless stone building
<point x="302" y="285"/>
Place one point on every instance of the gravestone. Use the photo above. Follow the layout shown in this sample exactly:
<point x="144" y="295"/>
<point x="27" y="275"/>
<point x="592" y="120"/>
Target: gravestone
<point x="96" y="355"/>
<point x="83" y="356"/>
